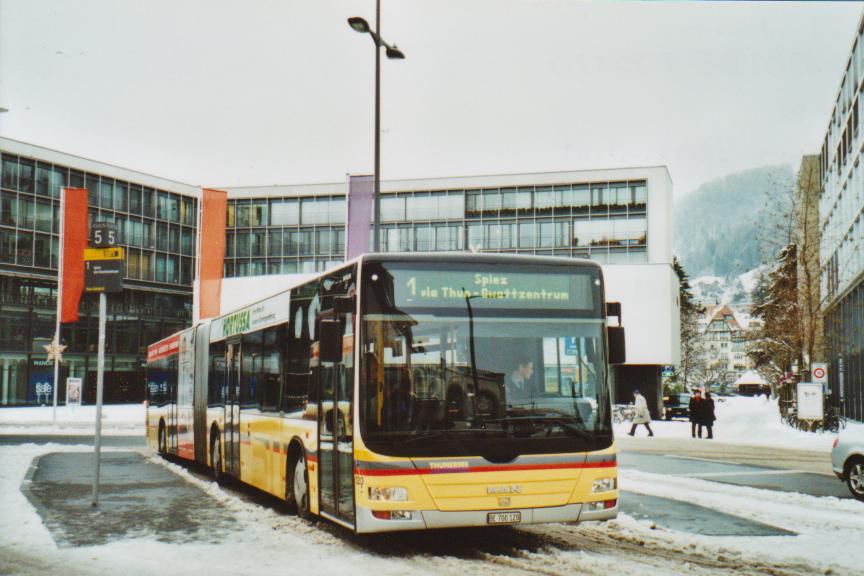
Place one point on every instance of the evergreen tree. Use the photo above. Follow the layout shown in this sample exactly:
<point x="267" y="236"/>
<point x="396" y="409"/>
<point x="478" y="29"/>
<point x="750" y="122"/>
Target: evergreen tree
<point x="776" y="342"/>
<point x="692" y="349"/>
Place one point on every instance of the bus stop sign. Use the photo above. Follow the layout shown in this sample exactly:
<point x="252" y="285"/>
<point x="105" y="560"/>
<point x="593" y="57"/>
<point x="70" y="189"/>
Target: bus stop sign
<point x="103" y="264"/>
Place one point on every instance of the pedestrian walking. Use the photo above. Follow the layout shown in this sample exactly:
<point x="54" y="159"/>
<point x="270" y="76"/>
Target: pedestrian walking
<point x="695" y="411"/>
<point x="708" y="416"/>
<point x="642" y="415"/>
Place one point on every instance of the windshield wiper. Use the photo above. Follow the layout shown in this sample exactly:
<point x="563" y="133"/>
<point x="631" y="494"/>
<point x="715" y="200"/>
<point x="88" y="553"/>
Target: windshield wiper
<point x="427" y="436"/>
<point x="563" y="421"/>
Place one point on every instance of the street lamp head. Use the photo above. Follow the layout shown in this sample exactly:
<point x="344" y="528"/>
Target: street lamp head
<point x="393" y="53"/>
<point x="358" y="24"/>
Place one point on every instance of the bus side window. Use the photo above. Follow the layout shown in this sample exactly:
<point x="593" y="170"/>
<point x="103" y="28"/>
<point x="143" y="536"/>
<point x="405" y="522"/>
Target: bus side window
<point x="269" y="370"/>
<point x="250" y="371"/>
<point x="216" y="378"/>
<point x="297" y="379"/>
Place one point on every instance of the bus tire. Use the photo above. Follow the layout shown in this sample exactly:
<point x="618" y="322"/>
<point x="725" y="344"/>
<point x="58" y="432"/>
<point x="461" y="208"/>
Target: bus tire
<point x="297" y="491"/>
<point x="162" y="440"/>
<point x="216" y="456"/>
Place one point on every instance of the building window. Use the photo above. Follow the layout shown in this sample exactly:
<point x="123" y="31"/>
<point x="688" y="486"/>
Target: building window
<point x="284" y="212"/>
<point x="527" y="235"/>
<point x="10" y="172"/>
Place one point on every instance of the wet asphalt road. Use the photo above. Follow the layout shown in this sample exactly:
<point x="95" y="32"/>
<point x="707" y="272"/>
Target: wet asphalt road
<point x="137" y="498"/>
<point x="765" y="477"/>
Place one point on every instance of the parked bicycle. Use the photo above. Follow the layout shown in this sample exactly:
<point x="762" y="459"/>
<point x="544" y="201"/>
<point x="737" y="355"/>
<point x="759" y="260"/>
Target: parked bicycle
<point x="833" y="422"/>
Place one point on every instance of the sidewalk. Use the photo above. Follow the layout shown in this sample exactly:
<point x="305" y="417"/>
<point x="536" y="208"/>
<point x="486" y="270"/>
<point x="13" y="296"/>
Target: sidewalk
<point x="137" y="498"/>
<point x="817" y="462"/>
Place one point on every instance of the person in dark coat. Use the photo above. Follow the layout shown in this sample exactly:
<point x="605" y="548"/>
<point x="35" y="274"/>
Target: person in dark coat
<point x="708" y="416"/>
<point x="695" y="411"/>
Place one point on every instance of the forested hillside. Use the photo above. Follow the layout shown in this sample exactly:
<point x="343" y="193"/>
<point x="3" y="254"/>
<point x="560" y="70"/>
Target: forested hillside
<point x="731" y="225"/>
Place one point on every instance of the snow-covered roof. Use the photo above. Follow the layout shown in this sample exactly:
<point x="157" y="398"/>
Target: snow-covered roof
<point x="750" y="377"/>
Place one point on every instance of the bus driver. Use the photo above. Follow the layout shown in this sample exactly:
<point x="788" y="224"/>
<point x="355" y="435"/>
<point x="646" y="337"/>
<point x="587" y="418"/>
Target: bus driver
<point x="519" y="381"/>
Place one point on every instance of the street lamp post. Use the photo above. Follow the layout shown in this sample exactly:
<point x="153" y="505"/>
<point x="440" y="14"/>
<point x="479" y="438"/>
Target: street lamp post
<point x="393" y="53"/>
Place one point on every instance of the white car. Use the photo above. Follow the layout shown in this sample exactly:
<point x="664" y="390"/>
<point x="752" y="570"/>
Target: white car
<point x="847" y="458"/>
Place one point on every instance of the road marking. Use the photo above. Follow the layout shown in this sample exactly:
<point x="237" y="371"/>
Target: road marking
<point x="756" y="473"/>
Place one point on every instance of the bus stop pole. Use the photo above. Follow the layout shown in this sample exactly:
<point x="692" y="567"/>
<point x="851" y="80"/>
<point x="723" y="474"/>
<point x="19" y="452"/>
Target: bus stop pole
<point x="100" y="375"/>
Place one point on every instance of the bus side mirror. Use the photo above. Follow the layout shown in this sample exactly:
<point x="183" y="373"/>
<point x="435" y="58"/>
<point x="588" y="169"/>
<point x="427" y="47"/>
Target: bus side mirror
<point x="614" y="309"/>
<point x="617" y="351"/>
<point x="330" y="343"/>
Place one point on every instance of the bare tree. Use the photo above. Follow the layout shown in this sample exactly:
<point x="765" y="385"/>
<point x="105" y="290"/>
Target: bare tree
<point x="806" y="237"/>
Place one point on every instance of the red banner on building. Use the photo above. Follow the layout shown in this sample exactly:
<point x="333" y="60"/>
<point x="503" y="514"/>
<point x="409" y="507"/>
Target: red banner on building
<point x="74" y="243"/>
<point x="214" y="210"/>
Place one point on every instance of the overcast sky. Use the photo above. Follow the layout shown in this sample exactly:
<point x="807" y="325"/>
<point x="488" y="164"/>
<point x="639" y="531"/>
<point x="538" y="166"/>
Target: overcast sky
<point x="263" y="92"/>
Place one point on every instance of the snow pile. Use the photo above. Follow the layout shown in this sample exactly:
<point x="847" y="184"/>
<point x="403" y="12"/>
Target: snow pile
<point x="117" y="420"/>
<point x="829" y="530"/>
<point x="752" y="421"/>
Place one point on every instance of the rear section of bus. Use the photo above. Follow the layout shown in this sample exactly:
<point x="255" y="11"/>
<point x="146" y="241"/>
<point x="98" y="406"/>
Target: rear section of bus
<point x="162" y="365"/>
<point x="483" y="396"/>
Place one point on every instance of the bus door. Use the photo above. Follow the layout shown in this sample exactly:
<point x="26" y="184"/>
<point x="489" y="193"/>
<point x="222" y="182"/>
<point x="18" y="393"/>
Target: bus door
<point x="335" y="429"/>
<point x="171" y="417"/>
<point x="232" y="408"/>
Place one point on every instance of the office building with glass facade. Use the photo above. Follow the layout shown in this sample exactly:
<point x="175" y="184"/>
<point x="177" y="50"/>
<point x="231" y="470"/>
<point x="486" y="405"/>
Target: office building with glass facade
<point x="598" y="214"/>
<point x="841" y="215"/>
<point x="617" y="216"/>
<point x="156" y="220"/>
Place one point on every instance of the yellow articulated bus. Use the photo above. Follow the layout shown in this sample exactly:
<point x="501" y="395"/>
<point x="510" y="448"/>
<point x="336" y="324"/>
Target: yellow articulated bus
<point x="406" y="392"/>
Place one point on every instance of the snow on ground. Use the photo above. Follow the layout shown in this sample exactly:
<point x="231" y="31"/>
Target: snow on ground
<point x="743" y="420"/>
<point x="829" y="532"/>
<point x="269" y="541"/>
<point x="117" y="420"/>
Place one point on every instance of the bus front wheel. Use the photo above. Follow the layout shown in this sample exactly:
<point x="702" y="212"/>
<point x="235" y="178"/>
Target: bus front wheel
<point x="299" y="487"/>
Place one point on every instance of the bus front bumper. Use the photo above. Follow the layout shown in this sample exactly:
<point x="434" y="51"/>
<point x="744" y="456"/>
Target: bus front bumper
<point x="430" y="519"/>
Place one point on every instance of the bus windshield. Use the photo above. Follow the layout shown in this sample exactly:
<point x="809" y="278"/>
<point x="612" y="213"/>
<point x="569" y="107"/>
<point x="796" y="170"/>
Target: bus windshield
<point x="449" y="369"/>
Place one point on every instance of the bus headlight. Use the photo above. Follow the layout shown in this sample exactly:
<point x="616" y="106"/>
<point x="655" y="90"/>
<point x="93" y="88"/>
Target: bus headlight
<point x="604" y="485"/>
<point x="388" y="494"/>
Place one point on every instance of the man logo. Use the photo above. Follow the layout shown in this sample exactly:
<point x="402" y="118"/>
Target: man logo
<point x="511" y="489"/>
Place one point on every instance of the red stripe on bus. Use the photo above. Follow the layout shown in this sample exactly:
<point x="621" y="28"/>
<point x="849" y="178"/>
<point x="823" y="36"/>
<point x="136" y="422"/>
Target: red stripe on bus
<point x="514" y="467"/>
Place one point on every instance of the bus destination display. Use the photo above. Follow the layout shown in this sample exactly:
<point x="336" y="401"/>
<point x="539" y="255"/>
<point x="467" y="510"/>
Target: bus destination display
<point x="445" y="288"/>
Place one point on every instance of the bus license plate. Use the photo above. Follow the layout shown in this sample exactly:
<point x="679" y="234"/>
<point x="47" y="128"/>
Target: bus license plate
<point x="504" y="518"/>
